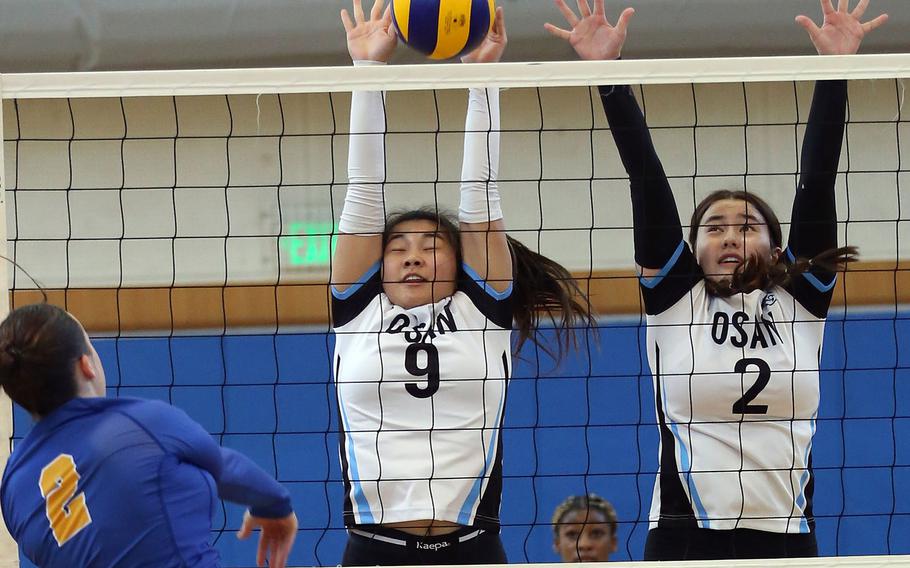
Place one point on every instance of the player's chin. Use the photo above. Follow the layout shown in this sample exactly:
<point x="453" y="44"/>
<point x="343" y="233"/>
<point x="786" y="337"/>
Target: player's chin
<point x="410" y="296"/>
<point x="720" y="274"/>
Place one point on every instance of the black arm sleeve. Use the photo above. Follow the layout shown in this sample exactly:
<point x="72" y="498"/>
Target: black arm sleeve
<point x="813" y="226"/>
<point x="814" y="220"/>
<point x="658" y="231"/>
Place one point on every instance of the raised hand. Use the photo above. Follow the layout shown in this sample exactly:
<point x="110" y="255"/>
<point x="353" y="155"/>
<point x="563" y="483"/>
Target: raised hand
<point x="841" y="31"/>
<point x="276" y="539"/>
<point x="591" y="35"/>
<point x="490" y="51"/>
<point x="374" y="39"/>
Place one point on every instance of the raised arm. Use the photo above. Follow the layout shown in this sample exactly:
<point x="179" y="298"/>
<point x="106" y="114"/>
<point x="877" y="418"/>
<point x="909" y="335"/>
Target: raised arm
<point x="359" y="246"/>
<point x="813" y="226"/>
<point x="657" y="229"/>
<point x="814" y="220"/>
<point x="483" y="237"/>
<point x="658" y="232"/>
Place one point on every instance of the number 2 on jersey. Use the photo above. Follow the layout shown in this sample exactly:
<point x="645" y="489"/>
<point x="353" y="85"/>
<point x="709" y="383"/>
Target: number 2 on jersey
<point x="66" y="513"/>
<point x="742" y="405"/>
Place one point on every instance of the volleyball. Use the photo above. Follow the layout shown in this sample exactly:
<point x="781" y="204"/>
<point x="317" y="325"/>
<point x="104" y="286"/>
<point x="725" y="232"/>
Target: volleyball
<point x="442" y="29"/>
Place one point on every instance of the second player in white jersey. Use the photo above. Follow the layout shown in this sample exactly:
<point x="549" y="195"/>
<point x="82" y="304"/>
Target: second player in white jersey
<point x="735" y="320"/>
<point x="737" y="392"/>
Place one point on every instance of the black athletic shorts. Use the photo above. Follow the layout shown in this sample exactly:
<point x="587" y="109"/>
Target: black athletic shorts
<point x="381" y="546"/>
<point x="710" y="544"/>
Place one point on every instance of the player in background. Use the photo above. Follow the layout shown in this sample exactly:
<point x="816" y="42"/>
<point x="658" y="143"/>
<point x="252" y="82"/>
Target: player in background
<point x="735" y="320"/>
<point x="584" y="529"/>
<point x="423" y="308"/>
<point x="102" y="482"/>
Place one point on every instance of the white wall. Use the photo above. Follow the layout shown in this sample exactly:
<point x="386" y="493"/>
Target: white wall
<point x="197" y="189"/>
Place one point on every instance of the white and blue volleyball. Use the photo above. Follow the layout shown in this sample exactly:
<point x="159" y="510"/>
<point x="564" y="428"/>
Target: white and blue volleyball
<point x="443" y="28"/>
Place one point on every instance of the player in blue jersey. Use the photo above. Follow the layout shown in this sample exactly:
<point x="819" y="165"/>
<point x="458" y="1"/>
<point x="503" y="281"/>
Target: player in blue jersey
<point x="423" y="308"/>
<point x="736" y="320"/>
<point x="104" y="482"/>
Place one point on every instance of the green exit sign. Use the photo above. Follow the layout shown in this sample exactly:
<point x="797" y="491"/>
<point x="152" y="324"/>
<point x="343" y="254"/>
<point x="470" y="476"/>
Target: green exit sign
<point x="309" y="244"/>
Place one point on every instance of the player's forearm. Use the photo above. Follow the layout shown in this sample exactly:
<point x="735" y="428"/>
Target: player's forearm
<point x="242" y="481"/>
<point x="480" y="201"/>
<point x="364" y="207"/>
<point x="814" y="219"/>
<point x="658" y="231"/>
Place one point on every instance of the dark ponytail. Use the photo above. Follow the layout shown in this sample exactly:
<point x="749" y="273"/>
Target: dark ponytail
<point x="542" y="286"/>
<point x="39" y="346"/>
<point x="760" y="273"/>
<point x="757" y="273"/>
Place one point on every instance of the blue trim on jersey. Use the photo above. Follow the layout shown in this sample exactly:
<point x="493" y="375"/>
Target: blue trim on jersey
<point x="464" y="516"/>
<point x="803" y="481"/>
<point x="686" y="466"/>
<point x="356" y="285"/>
<point x="813" y="279"/>
<point x="486" y="287"/>
<point x="365" y="512"/>
<point x="652" y="281"/>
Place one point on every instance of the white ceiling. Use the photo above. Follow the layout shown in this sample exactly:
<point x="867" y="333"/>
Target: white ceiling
<point x="93" y="35"/>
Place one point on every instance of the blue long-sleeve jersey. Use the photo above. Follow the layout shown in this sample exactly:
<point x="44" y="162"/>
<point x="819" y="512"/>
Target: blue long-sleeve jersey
<point x="126" y="482"/>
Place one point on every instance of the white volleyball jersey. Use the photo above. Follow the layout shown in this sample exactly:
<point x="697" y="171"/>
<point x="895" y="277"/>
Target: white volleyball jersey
<point x="421" y="394"/>
<point x="737" y="395"/>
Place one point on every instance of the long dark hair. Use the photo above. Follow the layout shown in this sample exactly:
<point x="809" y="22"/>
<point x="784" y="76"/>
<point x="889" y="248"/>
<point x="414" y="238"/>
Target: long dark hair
<point x="755" y="272"/>
<point x="540" y="286"/>
<point x="39" y="346"/>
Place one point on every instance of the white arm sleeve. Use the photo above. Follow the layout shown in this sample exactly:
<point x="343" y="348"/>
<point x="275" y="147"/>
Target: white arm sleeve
<point x="479" y="192"/>
<point x="364" y="206"/>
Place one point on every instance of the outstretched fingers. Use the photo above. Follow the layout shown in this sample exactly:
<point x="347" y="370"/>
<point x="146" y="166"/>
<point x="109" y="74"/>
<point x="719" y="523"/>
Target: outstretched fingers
<point x="623" y="21"/>
<point x="499" y="23"/>
<point x="827" y="7"/>
<point x="860" y="9"/>
<point x="871" y="25"/>
<point x="567" y="13"/>
<point x="346" y="20"/>
<point x="376" y="12"/>
<point x="558" y="32"/>
<point x="359" y="18"/>
<point x="583" y="8"/>
<point x="807" y="24"/>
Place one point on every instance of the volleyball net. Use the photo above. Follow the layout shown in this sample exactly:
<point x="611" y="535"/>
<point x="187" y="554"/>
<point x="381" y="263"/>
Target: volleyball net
<point x="187" y="219"/>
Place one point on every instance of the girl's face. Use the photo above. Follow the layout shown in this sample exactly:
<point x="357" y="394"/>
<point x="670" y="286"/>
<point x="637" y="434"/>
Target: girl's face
<point x="418" y="264"/>
<point x="730" y="231"/>
<point x="584" y="535"/>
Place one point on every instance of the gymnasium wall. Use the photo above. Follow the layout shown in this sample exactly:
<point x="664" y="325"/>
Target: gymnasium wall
<point x="586" y="426"/>
<point x="196" y="190"/>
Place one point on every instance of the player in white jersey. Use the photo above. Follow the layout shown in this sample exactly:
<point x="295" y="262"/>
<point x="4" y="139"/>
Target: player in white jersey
<point x="423" y="311"/>
<point x="735" y="323"/>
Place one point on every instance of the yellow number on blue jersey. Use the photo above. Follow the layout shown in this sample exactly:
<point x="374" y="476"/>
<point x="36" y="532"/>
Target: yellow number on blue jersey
<point x="67" y="514"/>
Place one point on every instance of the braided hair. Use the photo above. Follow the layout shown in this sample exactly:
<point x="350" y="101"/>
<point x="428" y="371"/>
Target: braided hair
<point x="589" y="502"/>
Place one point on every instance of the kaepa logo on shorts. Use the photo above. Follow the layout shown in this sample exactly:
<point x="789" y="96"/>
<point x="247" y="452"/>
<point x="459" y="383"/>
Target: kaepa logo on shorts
<point x="432" y="546"/>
